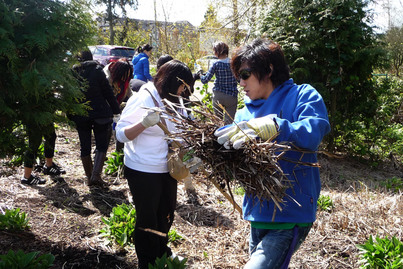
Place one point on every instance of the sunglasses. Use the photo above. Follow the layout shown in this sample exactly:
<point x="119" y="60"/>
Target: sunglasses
<point x="244" y="74"/>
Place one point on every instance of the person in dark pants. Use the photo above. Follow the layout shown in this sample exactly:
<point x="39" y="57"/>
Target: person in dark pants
<point x="35" y="134"/>
<point x="146" y="163"/>
<point x="99" y="94"/>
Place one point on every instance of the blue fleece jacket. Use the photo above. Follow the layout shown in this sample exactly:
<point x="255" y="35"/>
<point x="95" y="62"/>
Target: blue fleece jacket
<point x="303" y="121"/>
<point x="141" y="67"/>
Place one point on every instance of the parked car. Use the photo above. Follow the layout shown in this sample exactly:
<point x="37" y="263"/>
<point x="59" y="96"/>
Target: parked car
<point x="204" y="63"/>
<point x="92" y="48"/>
<point x="105" y="54"/>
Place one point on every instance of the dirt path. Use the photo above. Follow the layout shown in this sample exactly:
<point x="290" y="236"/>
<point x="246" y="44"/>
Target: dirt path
<point x="65" y="217"/>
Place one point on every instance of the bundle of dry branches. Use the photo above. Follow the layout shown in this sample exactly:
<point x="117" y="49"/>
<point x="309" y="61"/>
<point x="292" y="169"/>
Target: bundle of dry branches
<point x="254" y="167"/>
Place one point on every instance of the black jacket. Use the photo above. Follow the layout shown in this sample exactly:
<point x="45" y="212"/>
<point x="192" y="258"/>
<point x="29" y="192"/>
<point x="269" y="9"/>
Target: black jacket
<point x="99" y="93"/>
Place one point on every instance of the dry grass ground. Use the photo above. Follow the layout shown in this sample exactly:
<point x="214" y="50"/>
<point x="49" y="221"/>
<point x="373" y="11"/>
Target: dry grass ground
<point x="65" y="217"/>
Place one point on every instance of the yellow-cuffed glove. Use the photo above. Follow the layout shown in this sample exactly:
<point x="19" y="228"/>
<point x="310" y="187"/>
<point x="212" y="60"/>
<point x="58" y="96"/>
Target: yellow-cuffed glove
<point x="237" y="135"/>
<point x="225" y="133"/>
<point x="265" y="127"/>
<point x="239" y="139"/>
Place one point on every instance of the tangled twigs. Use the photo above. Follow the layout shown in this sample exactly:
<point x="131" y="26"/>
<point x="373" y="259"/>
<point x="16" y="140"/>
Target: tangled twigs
<point x="255" y="167"/>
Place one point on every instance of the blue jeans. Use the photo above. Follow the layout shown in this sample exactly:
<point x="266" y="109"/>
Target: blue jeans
<point x="269" y="248"/>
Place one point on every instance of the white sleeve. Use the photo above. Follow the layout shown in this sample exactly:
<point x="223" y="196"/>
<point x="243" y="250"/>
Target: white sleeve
<point x="132" y="114"/>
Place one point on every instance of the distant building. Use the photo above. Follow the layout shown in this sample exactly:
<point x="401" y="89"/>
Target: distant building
<point x="172" y="37"/>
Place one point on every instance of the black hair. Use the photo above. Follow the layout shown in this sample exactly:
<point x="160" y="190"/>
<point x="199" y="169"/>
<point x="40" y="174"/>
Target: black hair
<point x="220" y="48"/>
<point x="170" y="76"/>
<point x="259" y="55"/>
<point x="163" y="59"/>
<point x="146" y="47"/>
<point x="84" y="55"/>
<point x="121" y="70"/>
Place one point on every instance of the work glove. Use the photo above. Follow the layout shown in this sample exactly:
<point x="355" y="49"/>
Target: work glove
<point x="237" y="135"/>
<point x="151" y="119"/>
<point x="116" y="118"/>
<point x="265" y="127"/>
<point x="196" y="76"/>
<point x="193" y="163"/>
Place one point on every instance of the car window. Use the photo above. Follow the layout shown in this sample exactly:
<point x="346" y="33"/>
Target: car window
<point x="100" y="51"/>
<point x="122" y="52"/>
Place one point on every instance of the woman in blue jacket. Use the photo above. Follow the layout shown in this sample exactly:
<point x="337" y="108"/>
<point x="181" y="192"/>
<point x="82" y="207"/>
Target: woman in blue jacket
<point x="141" y="64"/>
<point x="296" y="114"/>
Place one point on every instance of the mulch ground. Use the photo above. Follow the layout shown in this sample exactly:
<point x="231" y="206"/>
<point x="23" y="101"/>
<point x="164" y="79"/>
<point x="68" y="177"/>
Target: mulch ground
<point x="65" y="216"/>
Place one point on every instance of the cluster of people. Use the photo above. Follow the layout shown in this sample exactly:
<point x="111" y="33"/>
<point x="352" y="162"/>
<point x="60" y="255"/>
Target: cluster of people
<point x="274" y="107"/>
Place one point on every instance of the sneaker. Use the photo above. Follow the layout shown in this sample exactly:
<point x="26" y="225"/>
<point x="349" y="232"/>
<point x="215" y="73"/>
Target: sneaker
<point x="53" y="170"/>
<point x="174" y="256"/>
<point x="32" y="180"/>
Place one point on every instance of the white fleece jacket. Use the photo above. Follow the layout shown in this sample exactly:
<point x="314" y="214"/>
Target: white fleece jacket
<point x="148" y="151"/>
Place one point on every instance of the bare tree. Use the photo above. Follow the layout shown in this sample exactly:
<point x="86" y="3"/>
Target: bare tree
<point x="112" y="9"/>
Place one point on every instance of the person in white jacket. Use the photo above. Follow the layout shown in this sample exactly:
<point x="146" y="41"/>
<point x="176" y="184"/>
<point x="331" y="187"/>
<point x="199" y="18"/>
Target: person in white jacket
<point x="146" y="168"/>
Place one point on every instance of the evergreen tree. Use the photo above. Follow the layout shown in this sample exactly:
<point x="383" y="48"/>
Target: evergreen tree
<point x="331" y="45"/>
<point x="37" y="41"/>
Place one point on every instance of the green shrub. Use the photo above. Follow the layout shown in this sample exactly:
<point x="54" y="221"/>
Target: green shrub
<point x="394" y="184"/>
<point x="382" y="253"/>
<point x="13" y="220"/>
<point x="164" y="262"/>
<point x="120" y="225"/>
<point x="114" y="164"/>
<point x="20" y="260"/>
<point x="325" y="203"/>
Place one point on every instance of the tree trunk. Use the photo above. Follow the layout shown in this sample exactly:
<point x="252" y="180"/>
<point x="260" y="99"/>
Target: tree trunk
<point x="236" y="22"/>
<point x="110" y="20"/>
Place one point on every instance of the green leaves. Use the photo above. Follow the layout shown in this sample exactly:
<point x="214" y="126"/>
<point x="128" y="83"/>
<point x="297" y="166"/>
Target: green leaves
<point x="381" y="253"/>
<point x="14" y="220"/>
<point x="20" y="260"/>
<point x="114" y="164"/>
<point x="120" y="225"/>
<point x="36" y="80"/>
<point x="325" y="203"/>
<point x="164" y="262"/>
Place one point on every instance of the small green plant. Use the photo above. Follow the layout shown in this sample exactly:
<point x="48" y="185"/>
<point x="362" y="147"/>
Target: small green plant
<point x="17" y="260"/>
<point x="239" y="191"/>
<point x="394" y="184"/>
<point x="381" y="253"/>
<point x="114" y="164"/>
<point x="207" y="96"/>
<point x="120" y="225"/>
<point x="325" y="203"/>
<point x="173" y="236"/>
<point x="164" y="262"/>
<point x="13" y="220"/>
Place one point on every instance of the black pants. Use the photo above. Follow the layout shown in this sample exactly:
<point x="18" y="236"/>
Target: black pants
<point x="85" y="126"/>
<point x="154" y="197"/>
<point x="35" y="134"/>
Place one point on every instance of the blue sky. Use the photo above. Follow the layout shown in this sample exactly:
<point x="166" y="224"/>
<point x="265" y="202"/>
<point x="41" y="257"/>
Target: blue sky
<point x="194" y="10"/>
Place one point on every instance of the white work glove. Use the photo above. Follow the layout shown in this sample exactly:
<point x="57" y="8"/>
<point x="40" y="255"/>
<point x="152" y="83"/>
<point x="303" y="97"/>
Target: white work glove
<point x="225" y="133"/>
<point x="116" y="118"/>
<point x="193" y="163"/>
<point x="237" y="135"/>
<point x="151" y="119"/>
